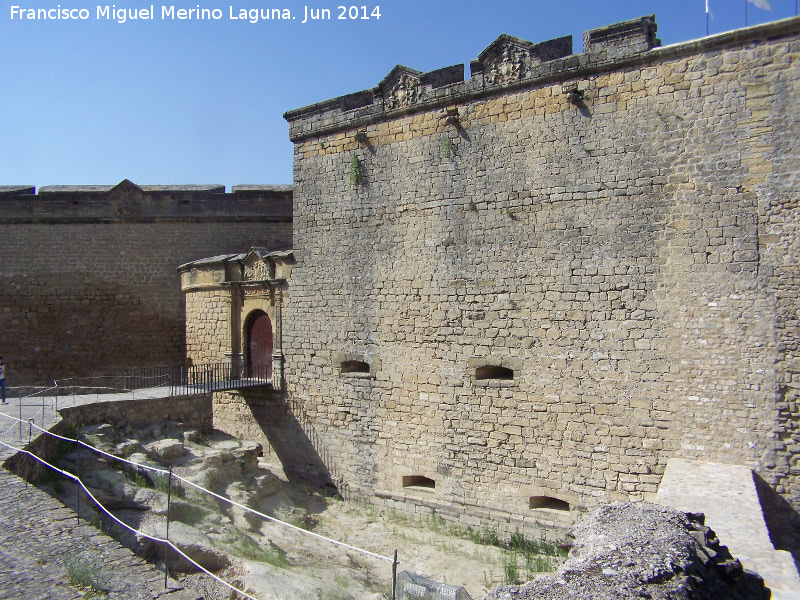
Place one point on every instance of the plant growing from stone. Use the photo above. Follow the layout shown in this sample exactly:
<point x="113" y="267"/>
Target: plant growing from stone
<point x="446" y="147"/>
<point x="250" y="549"/>
<point x="510" y="568"/>
<point x="140" y="480"/>
<point x="356" y="175"/>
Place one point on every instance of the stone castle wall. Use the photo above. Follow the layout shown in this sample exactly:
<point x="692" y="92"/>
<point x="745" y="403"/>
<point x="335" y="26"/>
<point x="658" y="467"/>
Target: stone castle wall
<point x="266" y="416"/>
<point x="614" y="229"/>
<point x="89" y="282"/>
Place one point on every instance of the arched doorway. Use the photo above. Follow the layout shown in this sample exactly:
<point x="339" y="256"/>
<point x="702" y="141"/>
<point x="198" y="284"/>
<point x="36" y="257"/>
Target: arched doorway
<point x="259" y="345"/>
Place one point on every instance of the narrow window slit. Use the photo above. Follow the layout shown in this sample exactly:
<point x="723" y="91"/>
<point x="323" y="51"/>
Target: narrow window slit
<point x="354" y="366"/>
<point x="419" y="481"/>
<point x="493" y="372"/>
<point x="549" y="502"/>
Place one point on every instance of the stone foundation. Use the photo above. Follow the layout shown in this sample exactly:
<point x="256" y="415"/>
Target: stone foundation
<point x="192" y="411"/>
<point x="264" y="416"/>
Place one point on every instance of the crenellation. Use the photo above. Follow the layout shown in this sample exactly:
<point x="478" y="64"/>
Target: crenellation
<point x="621" y="40"/>
<point x="9" y="190"/>
<point x="127" y="202"/>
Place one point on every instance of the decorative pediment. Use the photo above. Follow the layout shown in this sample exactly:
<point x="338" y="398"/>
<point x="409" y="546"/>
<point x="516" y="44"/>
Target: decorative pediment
<point x="505" y="59"/>
<point x="401" y="88"/>
<point x="509" y="59"/>
<point x="126" y="197"/>
<point x="257" y="267"/>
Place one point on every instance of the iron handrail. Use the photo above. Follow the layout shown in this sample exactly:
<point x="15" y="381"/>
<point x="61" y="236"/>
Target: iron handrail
<point x="195" y="379"/>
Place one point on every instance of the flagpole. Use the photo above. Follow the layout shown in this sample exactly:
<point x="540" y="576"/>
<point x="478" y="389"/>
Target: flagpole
<point x="746" y="14"/>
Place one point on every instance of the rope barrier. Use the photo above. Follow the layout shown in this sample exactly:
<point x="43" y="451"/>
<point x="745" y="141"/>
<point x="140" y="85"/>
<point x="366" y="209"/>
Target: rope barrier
<point x="53" y="387"/>
<point x="228" y="500"/>
<point x="90" y="447"/>
<point x="123" y="524"/>
<point x="111" y="377"/>
<point x="36" y="415"/>
<point x="284" y="523"/>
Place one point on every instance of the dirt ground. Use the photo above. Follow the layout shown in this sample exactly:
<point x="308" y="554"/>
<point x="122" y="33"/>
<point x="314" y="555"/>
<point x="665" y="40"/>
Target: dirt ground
<point x="315" y="569"/>
<point x="263" y="557"/>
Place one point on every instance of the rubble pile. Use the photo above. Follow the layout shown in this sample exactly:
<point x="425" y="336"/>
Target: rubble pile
<point x="636" y="550"/>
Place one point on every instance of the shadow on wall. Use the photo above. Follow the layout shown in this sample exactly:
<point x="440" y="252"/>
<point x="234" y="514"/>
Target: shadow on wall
<point x="783" y="521"/>
<point x="270" y="412"/>
<point x="73" y="329"/>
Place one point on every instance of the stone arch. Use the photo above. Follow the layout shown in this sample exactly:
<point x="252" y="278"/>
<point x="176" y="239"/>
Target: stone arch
<point x="258" y="345"/>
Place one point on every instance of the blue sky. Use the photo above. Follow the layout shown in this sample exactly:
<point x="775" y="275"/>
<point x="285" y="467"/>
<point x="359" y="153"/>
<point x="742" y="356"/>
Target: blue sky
<point x="201" y="101"/>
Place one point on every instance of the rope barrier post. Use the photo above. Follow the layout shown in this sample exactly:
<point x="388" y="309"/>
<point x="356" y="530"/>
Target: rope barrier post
<point x="20" y="419"/>
<point x="394" y="576"/>
<point x="166" y="546"/>
<point x="27" y="458"/>
<point x="55" y="403"/>
<point x="42" y="411"/>
<point x="78" y="468"/>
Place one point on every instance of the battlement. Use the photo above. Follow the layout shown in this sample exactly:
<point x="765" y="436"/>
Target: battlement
<point x="128" y="202"/>
<point x="506" y="64"/>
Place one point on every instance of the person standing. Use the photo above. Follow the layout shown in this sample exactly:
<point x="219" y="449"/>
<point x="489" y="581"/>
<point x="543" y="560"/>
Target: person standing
<point x="3" y="379"/>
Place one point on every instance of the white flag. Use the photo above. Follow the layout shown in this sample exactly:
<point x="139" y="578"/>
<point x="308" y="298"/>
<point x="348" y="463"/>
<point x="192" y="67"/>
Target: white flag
<point x="708" y="11"/>
<point x="762" y="4"/>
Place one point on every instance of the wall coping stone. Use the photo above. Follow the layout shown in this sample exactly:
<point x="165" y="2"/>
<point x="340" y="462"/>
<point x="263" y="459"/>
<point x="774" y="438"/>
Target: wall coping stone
<point x="242" y="189"/>
<point x="99" y="189"/>
<point x="127" y="202"/>
<point x="17" y="189"/>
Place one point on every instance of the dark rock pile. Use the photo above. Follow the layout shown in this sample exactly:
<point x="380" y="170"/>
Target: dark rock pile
<point x="625" y="551"/>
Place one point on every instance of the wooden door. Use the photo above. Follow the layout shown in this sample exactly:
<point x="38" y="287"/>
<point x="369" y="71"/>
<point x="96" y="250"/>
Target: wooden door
<point x="259" y="346"/>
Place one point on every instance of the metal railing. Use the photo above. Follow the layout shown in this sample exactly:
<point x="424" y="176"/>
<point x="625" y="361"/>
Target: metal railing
<point x="198" y="379"/>
<point x="32" y="401"/>
<point x="132" y="384"/>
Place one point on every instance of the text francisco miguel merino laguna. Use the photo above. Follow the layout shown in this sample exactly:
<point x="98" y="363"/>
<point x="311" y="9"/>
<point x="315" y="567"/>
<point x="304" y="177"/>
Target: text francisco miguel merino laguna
<point x="253" y="15"/>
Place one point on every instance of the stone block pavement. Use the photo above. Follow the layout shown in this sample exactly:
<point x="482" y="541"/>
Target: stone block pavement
<point x="40" y="538"/>
<point x="727" y="495"/>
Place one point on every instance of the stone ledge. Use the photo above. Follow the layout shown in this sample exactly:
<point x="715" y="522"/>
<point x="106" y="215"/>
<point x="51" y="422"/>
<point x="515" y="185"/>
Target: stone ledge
<point x="421" y="504"/>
